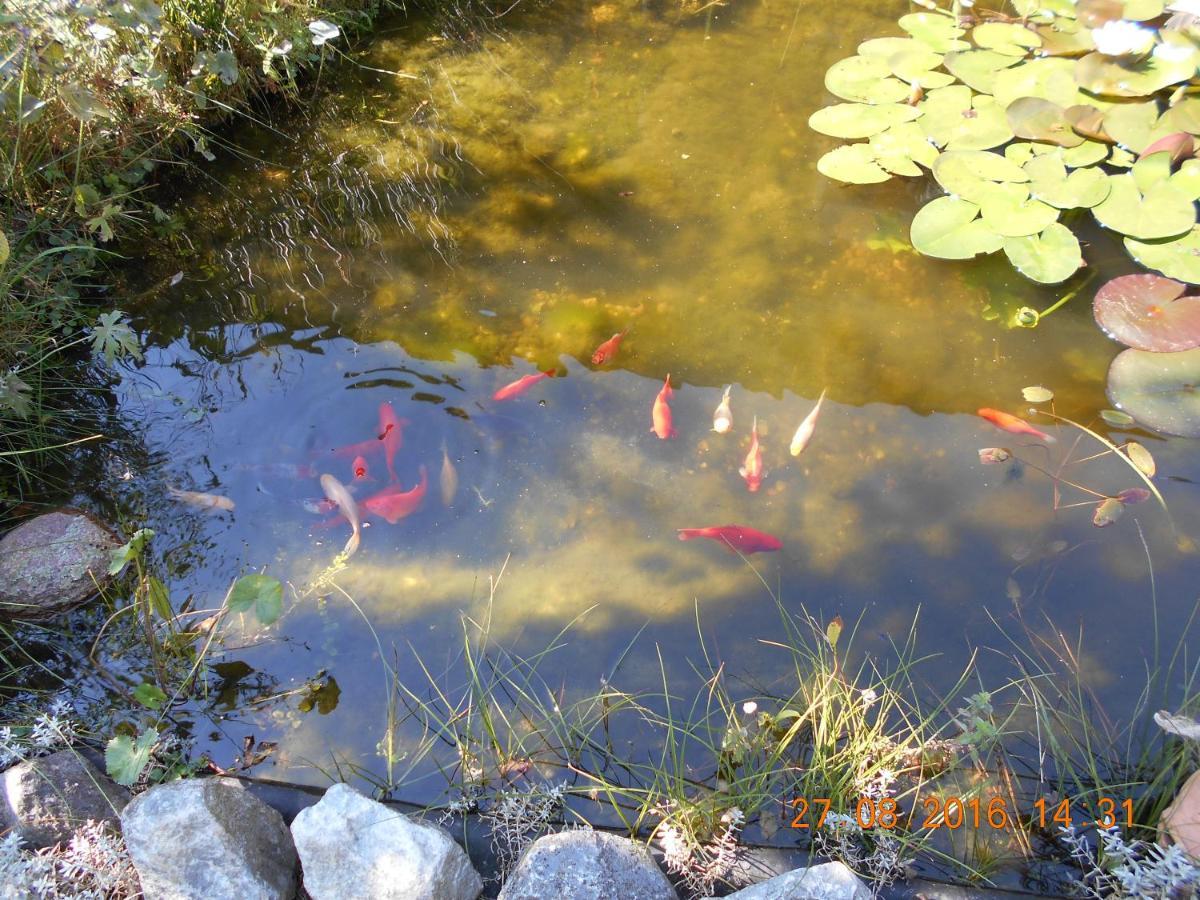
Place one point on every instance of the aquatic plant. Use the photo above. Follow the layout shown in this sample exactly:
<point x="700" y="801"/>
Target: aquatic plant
<point x="1025" y="120"/>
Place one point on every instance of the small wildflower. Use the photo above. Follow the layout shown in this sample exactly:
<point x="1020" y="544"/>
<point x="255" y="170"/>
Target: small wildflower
<point x="749" y="708"/>
<point x="868" y="696"/>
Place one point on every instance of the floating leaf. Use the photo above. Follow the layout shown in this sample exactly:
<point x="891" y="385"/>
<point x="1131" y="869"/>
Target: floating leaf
<point x="1116" y="77"/>
<point x="859" y="120"/>
<point x="1178" y="258"/>
<point x="968" y="173"/>
<point x="262" y="592"/>
<point x="1088" y="121"/>
<point x="149" y="695"/>
<point x="977" y="68"/>
<point x="1048" y="258"/>
<point x="126" y="759"/>
<point x="886" y="47"/>
<point x="1040" y="120"/>
<point x="1132" y="124"/>
<point x="1050" y="183"/>
<point x="1162" y="212"/>
<point x="1178" y="145"/>
<point x="916" y="65"/>
<point x="1134" y="496"/>
<point x="1116" y="418"/>
<point x="1141" y="457"/>
<point x="937" y="30"/>
<point x="1050" y="79"/>
<point x="1108" y="512"/>
<point x="949" y="228"/>
<point x="1148" y="312"/>
<point x="1151" y="170"/>
<point x="902" y="147"/>
<point x="865" y="79"/>
<point x="1007" y="39"/>
<point x="1160" y="390"/>
<point x="991" y="456"/>
<point x="1183" y="116"/>
<point x="1142" y="10"/>
<point x="1037" y="394"/>
<point x="1065" y="39"/>
<point x="854" y="164"/>
<point x="1086" y="154"/>
<point x="957" y="120"/>
<point x="1009" y="211"/>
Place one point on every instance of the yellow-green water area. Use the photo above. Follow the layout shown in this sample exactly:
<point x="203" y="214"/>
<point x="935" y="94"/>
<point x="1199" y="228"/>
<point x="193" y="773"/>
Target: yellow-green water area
<point x="504" y="205"/>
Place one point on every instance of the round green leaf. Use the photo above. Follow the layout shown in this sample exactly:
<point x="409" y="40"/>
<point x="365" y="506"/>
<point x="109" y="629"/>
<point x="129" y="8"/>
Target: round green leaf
<point x="859" y="120"/>
<point x="854" y="164"/>
<point x="949" y="228"/>
<point x="1037" y="394"/>
<point x="977" y="68"/>
<point x="263" y="593"/>
<point x="1162" y="212"/>
<point x="937" y="30"/>
<point x="885" y="47"/>
<point x="956" y="120"/>
<point x="966" y="173"/>
<point x="1005" y="38"/>
<point x="916" y="66"/>
<point x="1063" y="38"/>
<point x="901" y="148"/>
<point x="1086" y="154"/>
<point x="1114" y="77"/>
<point x="1050" y="183"/>
<point x="1036" y="119"/>
<point x="1048" y="258"/>
<point x="1178" y="258"/>
<point x="1183" y="116"/>
<point x="1160" y="390"/>
<point x="1142" y="10"/>
<point x="865" y="79"/>
<point x="1116" y="418"/>
<point x="1050" y="79"/>
<point x="1009" y="211"/>
<point x="1187" y="180"/>
<point x="1132" y="124"/>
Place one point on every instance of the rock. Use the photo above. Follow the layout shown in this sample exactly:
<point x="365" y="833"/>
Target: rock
<point x="208" y="838"/>
<point x="586" y="864"/>
<point x="53" y="563"/>
<point x="47" y="798"/>
<point x="828" y="881"/>
<point x="352" y="847"/>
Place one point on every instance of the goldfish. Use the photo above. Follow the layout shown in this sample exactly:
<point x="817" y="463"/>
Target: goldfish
<point x="449" y="478"/>
<point x="336" y="491"/>
<point x="391" y="433"/>
<point x="608" y="350"/>
<point x="359" y="467"/>
<point x="203" y="501"/>
<point x="392" y="504"/>
<point x="1012" y="424"/>
<point x="521" y="385"/>
<point x="734" y="537"/>
<point x="722" y="416"/>
<point x="752" y="468"/>
<point x="805" y="432"/>
<point x="660" y="413"/>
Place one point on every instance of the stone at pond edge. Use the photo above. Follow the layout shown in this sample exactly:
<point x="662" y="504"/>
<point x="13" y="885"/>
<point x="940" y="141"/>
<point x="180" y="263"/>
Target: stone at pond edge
<point x="52" y="563"/>
<point x="204" y="838"/>
<point x="828" y="881"/>
<point x="47" y="798"/>
<point x="586" y="864"/>
<point x="352" y="847"/>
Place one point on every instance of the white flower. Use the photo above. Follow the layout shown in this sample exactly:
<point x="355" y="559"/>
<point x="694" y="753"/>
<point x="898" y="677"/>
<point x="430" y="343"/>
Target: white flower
<point x="283" y="49"/>
<point x="868" y="696"/>
<point x="1121" y="38"/>
<point x="323" y="31"/>
<point x="749" y="708"/>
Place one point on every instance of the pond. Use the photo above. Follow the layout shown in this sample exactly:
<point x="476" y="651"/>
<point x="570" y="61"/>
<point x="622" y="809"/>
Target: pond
<point x="464" y="210"/>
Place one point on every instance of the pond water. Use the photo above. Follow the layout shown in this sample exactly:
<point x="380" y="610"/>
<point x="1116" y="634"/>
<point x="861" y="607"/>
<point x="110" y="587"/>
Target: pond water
<point x="510" y="202"/>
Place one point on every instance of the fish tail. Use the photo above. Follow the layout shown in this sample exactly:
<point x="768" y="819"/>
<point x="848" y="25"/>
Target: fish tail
<point x="686" y="534"/>
<point x="728" y="388"/>
<point x="352" y="545"/>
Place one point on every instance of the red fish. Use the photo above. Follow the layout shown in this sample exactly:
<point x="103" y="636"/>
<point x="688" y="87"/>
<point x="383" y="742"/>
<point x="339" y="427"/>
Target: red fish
<point x="660" y="413"/>
<point x="735" y="537"/>
<point x="1012" y="424"/>
<point x="391" y="434"/>
<point x="521" y="385"/>
<point x="359" y="466"/>
<point x="392" y="504"/>
<point x="752" y="468"/>
<point x="608" y="350"/>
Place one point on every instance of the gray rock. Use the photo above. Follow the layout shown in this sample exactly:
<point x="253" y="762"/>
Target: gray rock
<point x="352" y="847"/>
<point x="828" y="881"/>
<point x="586" y="864"/>
<point x="47" y="798"/>
<point x="209" y="838"/>
<point x="53" y="563"/>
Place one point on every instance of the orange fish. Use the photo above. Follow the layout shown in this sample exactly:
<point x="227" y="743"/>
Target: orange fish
<point x="735" y="537"/>
<point x="752" y="468"/>
<point x="393" y="504"/>
<point x="1012" y="424"/>
<point x="359" y="467"/>
<point x="660" y="413"/>
<point x="521" y="385"/>
<point x="391" y="434"/>
<point x="608" y="350"/>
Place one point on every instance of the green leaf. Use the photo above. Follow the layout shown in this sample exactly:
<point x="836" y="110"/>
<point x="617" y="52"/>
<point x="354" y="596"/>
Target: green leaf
<point x="1163" y="212"/>
<point x="1050" y="183"/>
<point x="968" y="173"/>
<point x="1114" y="77"/>
<point x="937" y="30"/>
<point x="949" y="228"/>
<point x="1005" y="39"/>
<point x="956" y="120"/>
<point x="1050" y="79"/>
<point x="129" y="551"/>
<point x="1158" y="389"/>
<point x="977" y="68"/>
<point x="1116" y="418"/>
<point x="82" y="103"/>
<point x="1141" y="457"/>
<point x="916" y="65"/>
<point x="1036" y="119"/>
<point x="1037" y="394"/>
<point x="1178" y="258"/>
<point x="1107" y="512"/>
<point x="224" y="65"/>
<point x="126" y="759"/>
<point x="865" y="79"/>
<point x="902" y="147"/>
<point x="1132" y="125"/>
<point x="112" y="337"/>
<point x="859" y="120"/>
<point x="262" y="592"/>
<point x="854" y="164"/>
<point x="1086" y="154"/>
<point x="1009" y="211"/>
<point x="833" y="631"/>
<point x="15" y="396"/>
<point x="160" y="600"/>
<point x="149" y="695"/>
<point x="1150" y="170"/>
<point x="3" y="248"/>
<point x="1048" y="258"/>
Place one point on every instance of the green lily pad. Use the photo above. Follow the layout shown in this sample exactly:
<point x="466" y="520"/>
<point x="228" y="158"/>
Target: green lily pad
<point x="1036" y="119"/>
<point x="1021" y="152"/>
<point x="1142" y="10"/>
<point x="889" y="46"/>
<point x="860" y="120"/>
<point x="1132" y="125"/>
<point x="1050" y="183"/>
<point x="978" y="68"/>
<point x="1183" y="116"/>
<point x="1009" y="211"/>
<point x="1160" y="390"/>
<point x="967" y="173"/>
<point x="1148" y="312"/>
<point x="1187" y="180"/>
<point x="1116" y="77"/>
<point x="956" y="120"/>
<point x="902" y="147"/>
<point x="1065" y="38"/>
<point x="916" y="67"/>
<point x="1050" y="79"/>
<point x="853" y="164"/>
<point x="1048" y="258"/>
<point x="1151" y="170"/>
<point x="937" y="30"/>
<point x="1178" y="258"/>
<point x="865" y="79"/>
<point x="1162" y="212"/>
<point x="1005" y="38"/>
<point x="1086" y="154"/>
<point x="1121" y="158"/>
<point x="949" y="228"/>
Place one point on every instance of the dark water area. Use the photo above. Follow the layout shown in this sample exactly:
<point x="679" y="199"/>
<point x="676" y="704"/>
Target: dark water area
<point x="503" y="207"/>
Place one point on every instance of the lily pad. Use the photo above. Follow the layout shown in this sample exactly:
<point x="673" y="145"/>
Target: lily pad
<point x="1183" y="116"/>
<point x="1036" y="119"/>
<point x="950" y="228"/>
<point x="865" y="79"/>
<point x="1086" y="154"/>
<point x="1050" y="183"/>
<point x="1151" y="170"/>
<point x="1107" y="512"/>
<point x="1179" y="145"/>
<point x="956" y="120"/>
<point x="1116" y="418"/>
<point x="1048" y="258"/>
<point x="1178" y="258"/>
<point x="1160" y="390"/>
<point x="1140" y="457"/>
<point x="1148" y="312"/>
<point x="916" y="66"/>
<point x="1035" y="393"/>
<point x="1142" y="10"/>
<point x="978" y="68"/>
<point x="1132" y="125"/>
<point x="1063" y="38"/>
<point x="902" y="147"/>
<point x="1051" y="79"/>
<point x="1005" y="38"/>
<point x="1162" y="212"/>
<point x="967" y="173"/>
<point x="889" y="46"/>
<point x="1009" y="211"/>
<point x="937" y="30"/>
<point x="1115" y="77"/>
<point x="853" y="164"/>
<point x="860" y="120"/>
<point x="1088" y="121"/>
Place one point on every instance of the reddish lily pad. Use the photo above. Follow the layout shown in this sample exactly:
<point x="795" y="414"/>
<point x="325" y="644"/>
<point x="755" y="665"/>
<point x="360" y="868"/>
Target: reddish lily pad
<point x="1148" y="312"/>
<point x="1131" y="496"/>
<point x="1160" y="390"/>
<point x="1179" y="145"/>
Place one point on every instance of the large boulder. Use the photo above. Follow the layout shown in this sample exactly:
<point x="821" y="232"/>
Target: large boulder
<point x="46" y="799"/>
<point x="207" y="838"/>
<point x="352" y="847"/>
<point x="828" y="881"/>
<point x="586" y="863"/>
<point x="53" y="563"/>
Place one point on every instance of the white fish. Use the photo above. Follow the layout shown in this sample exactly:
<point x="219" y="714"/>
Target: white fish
<point x="204" y="501"/>
<point x="722" y="417"/>
<point x="805" y="432"/>
<point x="337" y="493"/>
<point x="449" y="478"/>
